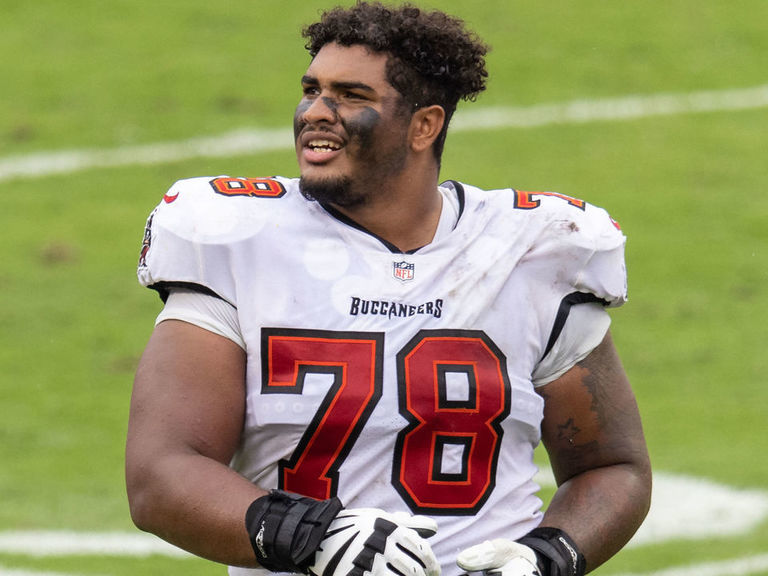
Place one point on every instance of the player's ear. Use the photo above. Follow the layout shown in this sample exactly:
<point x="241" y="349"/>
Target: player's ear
<point x="426" y="125"/>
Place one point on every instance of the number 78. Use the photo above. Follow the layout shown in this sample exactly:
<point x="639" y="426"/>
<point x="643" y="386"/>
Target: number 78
<point x="438" y="421"/>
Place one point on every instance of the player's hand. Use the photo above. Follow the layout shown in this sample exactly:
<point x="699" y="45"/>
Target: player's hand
<point x="293" y="533"/>
<point x="371" y="541"/>
<point x="500" y="557"/>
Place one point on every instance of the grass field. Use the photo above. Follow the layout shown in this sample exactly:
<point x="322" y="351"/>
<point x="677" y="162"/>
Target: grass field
<point x="688" y="187"/>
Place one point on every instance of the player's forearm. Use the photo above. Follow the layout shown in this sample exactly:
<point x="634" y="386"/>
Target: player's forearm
<point x="195" y="503"/>
<point x="601" y="509"/>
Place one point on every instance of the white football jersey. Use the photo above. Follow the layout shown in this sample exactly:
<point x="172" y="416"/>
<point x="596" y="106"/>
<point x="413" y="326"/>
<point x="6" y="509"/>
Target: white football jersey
<point x="391" y="380"/>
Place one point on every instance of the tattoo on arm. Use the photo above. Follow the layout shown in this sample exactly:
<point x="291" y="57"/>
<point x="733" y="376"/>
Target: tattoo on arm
<point x="590" y="416"/>
<point x="567" y="431"/>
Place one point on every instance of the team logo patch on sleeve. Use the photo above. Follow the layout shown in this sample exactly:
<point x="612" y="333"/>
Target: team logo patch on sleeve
<point x="403" y="271"/>
<point x="146" y="242"/>
<point x="170" y="196"/>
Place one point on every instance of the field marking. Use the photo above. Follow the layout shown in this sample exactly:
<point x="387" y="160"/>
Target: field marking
<point x="735" y="567"/>
<point x="244" y="142"/>
<point x="690" y="508"/>
<point x="682" y="508"/>
<point x="19" y="572"/>
<point x="40" y="543"/>
<point x="626" y="108"/>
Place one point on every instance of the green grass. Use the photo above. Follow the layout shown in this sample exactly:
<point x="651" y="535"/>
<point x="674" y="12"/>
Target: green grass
<point x="689" y="191"/>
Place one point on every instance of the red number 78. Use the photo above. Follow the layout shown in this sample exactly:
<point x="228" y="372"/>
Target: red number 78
<point x="439" y="421"/>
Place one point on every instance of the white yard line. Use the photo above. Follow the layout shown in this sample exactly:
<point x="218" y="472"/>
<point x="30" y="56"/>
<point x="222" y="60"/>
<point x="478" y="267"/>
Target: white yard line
<point x="627" y="108"/>
<point x="690" y="508"/>
<point x="682" y="508"/>
<point x="243" y="142"/>
<point x="44" y="164"/>
<point x="736" y="567"/>
<point x="18" y="572"/>
<point x="40" y="543"/>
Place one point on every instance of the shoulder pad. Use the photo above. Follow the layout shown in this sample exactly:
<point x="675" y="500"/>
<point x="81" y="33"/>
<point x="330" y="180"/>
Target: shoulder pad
<point x="188" y="235"/>
<point x="580" y="241"/>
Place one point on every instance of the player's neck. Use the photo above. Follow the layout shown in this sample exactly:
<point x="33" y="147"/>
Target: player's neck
<point x="406" y="217"/>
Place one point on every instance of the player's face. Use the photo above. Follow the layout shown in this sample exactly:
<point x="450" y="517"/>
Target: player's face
<point x="351" y="127"/>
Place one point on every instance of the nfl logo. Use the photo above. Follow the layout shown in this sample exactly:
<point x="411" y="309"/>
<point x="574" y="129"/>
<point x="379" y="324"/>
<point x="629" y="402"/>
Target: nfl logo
<point x="403" y="270"/>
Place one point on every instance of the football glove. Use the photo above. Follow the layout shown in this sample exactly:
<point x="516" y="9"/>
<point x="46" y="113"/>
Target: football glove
<point x="500" y="556"/>
<point x="373" y="541"/>
<point x="292" y="533"/>
<point x="541" y="552"/>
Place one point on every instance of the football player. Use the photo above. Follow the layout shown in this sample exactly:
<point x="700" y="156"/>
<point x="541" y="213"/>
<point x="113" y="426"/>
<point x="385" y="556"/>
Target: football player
<point x="353" y="368"/>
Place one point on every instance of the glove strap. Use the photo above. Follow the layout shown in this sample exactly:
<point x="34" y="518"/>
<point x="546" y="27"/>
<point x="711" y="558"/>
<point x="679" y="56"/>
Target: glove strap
<point x="557" y="554"/>
<point x="285" y="529"/>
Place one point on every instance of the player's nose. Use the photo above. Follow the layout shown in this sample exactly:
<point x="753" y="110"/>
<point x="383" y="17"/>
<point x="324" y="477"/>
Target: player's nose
<point x="321" y="109"/>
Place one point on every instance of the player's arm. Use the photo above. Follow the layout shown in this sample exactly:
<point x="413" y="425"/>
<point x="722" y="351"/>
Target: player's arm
<point x="186" y="418"/>
<point x="594" y="437"/>
<point x="187" y="414"/>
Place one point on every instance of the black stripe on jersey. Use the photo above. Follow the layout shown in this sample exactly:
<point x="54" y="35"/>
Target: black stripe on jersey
<point x="391" y="247"/>
<point x="164" y="289"/>
<point x="562" y="314"/>
<point x="460" y="194"/>
<point x="349" y="222"/>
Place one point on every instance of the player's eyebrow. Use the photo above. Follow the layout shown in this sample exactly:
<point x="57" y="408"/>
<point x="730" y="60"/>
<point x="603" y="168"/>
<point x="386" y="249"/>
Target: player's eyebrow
<point x="308" y="80"/>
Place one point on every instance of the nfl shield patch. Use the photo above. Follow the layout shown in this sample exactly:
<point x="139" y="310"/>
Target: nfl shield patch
<point x="403" y="270"/>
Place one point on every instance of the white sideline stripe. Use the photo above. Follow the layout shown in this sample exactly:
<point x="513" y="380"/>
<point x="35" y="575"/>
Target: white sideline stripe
<point x="241" y="142"/>
<point x="627" y="108"/>
<point x="682" y="508"/>
<point x="39" y="543"/>
<point x="19" y="572"/>
<point x="690" y="508"/>
<point x="737" y="567"/>
<point x="70" y="161"/>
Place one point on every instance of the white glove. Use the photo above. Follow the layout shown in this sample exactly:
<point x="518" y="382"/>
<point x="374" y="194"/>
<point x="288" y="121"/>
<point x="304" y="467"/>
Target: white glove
<point x="378" y="543"/>
<point x="499" y="556"/>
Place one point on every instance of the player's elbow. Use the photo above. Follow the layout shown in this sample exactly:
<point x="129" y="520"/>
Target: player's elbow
<point x="140" y="514"/>
<point x="145" y="500"/>
<point x="636" y="482"/>
<point x="644" y="483"/>
<point x="140" y="502"/>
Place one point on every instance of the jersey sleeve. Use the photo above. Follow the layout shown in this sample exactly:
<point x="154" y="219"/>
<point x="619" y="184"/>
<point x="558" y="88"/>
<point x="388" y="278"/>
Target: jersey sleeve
<point x="187" y="241"/>
<point x="577" y="258"/>
<point x="582" y="249"/>
<point x="585" y="327"/>
<point x="605" y="274"/>
<point x="204" y="311"/>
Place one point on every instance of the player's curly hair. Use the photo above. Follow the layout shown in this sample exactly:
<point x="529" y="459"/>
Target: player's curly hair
<point x="433" y="58"/>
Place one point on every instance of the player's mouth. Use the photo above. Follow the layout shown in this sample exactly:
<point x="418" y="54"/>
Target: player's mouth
<point x="320" y="148"/>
